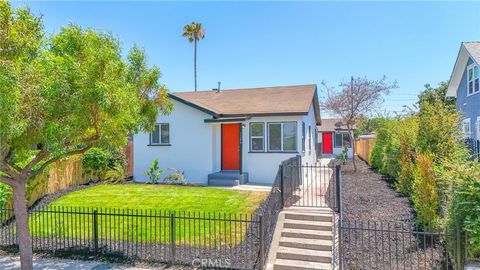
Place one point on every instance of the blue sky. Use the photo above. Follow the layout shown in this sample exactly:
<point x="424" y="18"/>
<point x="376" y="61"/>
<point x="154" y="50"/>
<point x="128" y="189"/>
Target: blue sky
<point x="252" y="44"/>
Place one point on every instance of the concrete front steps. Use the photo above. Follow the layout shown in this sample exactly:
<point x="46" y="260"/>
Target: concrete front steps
<point x="227" y="178"/>
<point x="303" y="240"/>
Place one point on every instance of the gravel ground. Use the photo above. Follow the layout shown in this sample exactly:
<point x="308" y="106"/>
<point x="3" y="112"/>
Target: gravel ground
<point x="379" y="230"/>
<point x="368" y="195"/>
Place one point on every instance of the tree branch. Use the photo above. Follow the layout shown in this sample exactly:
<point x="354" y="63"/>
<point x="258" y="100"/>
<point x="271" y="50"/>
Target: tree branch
<point x="50" y="161"/>
<point x="43" y="154"/>
<point x="7" y="180"/>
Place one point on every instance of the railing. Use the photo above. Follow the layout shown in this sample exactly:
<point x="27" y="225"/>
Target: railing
<point x="392" y="245"/>
<point x="402" y="245"/>
<point x="308" y="185"/>
<point x="176" y="237"/>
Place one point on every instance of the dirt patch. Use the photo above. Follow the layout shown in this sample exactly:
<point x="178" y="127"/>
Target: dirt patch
<point x="379" y="230"/>
<point x="368" y="195"/>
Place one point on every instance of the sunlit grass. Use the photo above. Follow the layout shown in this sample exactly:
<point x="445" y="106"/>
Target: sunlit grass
<point x="201" y="212"/>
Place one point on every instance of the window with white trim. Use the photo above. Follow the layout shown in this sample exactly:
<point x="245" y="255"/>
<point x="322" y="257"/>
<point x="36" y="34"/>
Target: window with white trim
<point x="466" y="129"/>
<point x="478" y="128"/>
<point x="282" y="137"/>
<point x="310" y="138"/>
<point x="160" y="135"/>
<point x="257" y="137"/>
<point x="473" y="79"/>
<point x="342" y="139"/>
<point x="303" y="136"/>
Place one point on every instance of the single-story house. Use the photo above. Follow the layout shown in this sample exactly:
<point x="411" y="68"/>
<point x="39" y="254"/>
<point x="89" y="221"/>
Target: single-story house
<point x="333" y="136"/>
<point x="230" y="137"/>
<point x="464" y="84"/>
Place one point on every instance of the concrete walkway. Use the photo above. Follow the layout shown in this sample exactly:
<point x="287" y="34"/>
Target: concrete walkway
<point x="13" y="263"/>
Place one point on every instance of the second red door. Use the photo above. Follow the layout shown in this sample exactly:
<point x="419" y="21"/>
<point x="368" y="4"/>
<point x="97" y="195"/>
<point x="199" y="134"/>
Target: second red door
<point x="327" y="143"/>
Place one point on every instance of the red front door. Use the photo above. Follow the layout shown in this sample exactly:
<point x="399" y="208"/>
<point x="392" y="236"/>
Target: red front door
<point x="230" y="146"/>
<point x="327" y="143"/>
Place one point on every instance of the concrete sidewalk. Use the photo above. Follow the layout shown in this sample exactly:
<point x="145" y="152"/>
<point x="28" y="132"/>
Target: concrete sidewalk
<point x="13" y="263"/>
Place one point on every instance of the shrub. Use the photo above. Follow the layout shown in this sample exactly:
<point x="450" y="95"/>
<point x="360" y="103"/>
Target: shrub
<point x="464" y="201"/>
<point x="343" y="155"/>
<point x="376" y="158"/>
<point x="104" y="164"/>
<point x="176" y="178"/>
<point x="425" y="195"/>
<point x="407" y="139"/>
<point x="154" y="172"/>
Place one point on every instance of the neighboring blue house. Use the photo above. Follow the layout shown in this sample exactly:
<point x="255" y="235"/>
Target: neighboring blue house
<point x="465" y="86"/>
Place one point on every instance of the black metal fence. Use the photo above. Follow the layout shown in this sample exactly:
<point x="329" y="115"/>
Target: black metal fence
<point x="403" y="245"/>
<point x="392" y="245"/>
<point x="177" y="237"/>
<point x="308" y="185"/>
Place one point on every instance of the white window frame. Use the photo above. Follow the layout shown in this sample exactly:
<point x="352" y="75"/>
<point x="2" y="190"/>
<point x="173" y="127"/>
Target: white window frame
<point x="160" y="142"/>
<point x="475" y="90"/>
<point x="281" y="137"/>
<point x="257" y="137"/>
<point x="466" y="124"/>
<point x="342" y="144"/>
<point x="478" y="127"/>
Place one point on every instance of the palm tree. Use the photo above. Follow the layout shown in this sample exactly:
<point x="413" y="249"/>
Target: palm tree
<point x="194" y="32"/>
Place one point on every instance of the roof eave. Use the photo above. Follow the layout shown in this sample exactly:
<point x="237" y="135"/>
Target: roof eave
<point x="188" y="103"/>
<point x="457" y="72"/>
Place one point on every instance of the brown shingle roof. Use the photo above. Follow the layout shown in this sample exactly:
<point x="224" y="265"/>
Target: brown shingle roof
<point x="286" y="100"/>
<point x="331" y="125"/>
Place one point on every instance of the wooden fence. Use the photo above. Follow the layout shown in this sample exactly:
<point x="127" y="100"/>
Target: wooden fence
<point x="62" y="174"/>
<point x="363" y="148"/>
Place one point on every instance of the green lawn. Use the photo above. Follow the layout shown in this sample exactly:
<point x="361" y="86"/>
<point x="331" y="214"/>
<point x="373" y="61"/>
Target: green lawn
<point x="213" y="204"/>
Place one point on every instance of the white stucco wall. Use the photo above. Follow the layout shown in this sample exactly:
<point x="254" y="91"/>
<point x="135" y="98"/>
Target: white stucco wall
<point x="196" y="147"/>
<point x="309" y="156"/>
<point x="191" y="147"/>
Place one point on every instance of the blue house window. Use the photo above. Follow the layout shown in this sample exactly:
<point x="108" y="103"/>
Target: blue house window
<point x="473" y="79"/>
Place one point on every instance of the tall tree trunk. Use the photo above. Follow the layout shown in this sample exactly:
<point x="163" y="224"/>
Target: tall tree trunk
<point x="21" y="217"/>
<point x="195" y="64"/>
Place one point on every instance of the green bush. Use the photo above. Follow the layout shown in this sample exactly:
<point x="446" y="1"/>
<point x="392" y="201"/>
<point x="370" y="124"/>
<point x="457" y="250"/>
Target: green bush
<point x="383" y="136"/>
<point x="104" y="164"/>
<point x="424" y="191"/>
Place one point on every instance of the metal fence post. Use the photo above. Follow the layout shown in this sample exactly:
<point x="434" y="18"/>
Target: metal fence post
<point x="172" y="239"/>
<point x="95" y="231"/>
<point x="282" y="187"/>
<point x="262" y="242"/>
<point x="337" y="187"/>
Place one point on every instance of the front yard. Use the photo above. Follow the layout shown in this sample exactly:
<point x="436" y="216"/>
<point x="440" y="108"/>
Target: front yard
<point x="164" y="197"/>
<point x="201" y="213"/>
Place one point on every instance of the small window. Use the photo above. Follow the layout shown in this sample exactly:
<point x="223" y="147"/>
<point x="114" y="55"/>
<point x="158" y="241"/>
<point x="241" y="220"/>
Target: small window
<point x="310" y="138"/>
<point x="160" y="135"/>
<point x="473" y="78"/>
<point x="257" y="137"/>
<point x="342" y="139"/>
<point x="282" y="137"/>
<point x="467" y="132"/>
<point x="303" y="136"/>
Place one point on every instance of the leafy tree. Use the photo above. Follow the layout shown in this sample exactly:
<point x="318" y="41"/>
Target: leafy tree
<point x="433" y="95"/>
<point x="62" y="95"/>
<point x="355" y="100"/>
<point x="367" y="125"/>
<point x="194" y="33"/>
